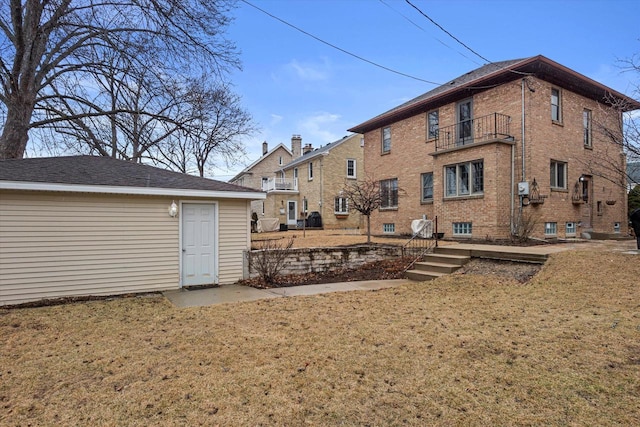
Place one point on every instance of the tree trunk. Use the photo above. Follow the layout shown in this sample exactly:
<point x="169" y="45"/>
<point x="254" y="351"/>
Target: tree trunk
<point x="15" y="134"/>
<point x="368" y="228"/>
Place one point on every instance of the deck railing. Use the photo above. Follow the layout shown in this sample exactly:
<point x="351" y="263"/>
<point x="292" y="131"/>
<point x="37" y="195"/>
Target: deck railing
<point x="280" y="184"/>
<point x="490" y="127"/>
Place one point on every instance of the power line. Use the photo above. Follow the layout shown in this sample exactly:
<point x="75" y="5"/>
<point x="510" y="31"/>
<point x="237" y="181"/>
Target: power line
<point x="447" y="32"/>
<point x="419" y="27"/>
<point x="339" y="48"/>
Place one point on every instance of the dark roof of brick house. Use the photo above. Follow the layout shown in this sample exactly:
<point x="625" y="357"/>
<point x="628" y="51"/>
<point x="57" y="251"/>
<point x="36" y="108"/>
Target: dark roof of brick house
<point x="494" y="74"/>
<point x="105" y="171"/>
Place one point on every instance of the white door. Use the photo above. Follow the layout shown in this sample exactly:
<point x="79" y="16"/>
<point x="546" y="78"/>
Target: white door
<point x="292" y="212"/>
<point x="198" y="244"/>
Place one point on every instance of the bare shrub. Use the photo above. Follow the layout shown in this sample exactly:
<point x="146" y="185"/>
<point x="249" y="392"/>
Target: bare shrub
<point x="524" y="223"/>
<point x="268" y="258"/>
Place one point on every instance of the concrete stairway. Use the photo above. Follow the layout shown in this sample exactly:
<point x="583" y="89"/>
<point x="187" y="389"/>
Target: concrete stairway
<point x="443" y="261"/>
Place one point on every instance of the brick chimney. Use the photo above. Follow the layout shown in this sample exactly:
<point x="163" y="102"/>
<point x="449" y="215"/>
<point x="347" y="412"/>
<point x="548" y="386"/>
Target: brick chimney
<point x="296" y="144"/>
<point x="307" y="148"/>
<point x="265" y="148"/>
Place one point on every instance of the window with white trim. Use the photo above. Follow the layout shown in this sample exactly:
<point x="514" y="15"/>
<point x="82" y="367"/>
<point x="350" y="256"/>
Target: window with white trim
<point x="464" y="179"/>
<point x="351" y="168"/>
<point x="462" y="228"/>
<point x="386" y="139"/>
<point x="558" y="175"/>
<point x="389" y="193"/>
<point x="388" y="228"/>
<point x="556" y="105"/>
<point x="550" y="228"/>
<point x="427" y="186"/>
<point x="265" y="183"/>
<point x="310" y="169"/>
<point x="280" y="160"/>
<point x="570" y="229"/>
<point x="341" y="206"/>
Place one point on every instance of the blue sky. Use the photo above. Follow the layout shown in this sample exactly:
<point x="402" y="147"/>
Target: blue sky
<point x="293" y="84"/>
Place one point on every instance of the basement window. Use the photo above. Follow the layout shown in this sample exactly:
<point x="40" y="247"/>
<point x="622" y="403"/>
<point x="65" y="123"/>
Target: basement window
<point x="462" y="229"/>
<point x="550" y="228"/>
<point x="388" y="228"/>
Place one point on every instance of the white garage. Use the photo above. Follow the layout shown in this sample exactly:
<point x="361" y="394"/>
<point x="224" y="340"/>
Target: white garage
<point x="83" y="225"/>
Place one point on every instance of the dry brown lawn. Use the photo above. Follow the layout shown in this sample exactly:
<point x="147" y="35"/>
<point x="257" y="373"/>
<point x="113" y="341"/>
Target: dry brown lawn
<point x="468" y="349"/>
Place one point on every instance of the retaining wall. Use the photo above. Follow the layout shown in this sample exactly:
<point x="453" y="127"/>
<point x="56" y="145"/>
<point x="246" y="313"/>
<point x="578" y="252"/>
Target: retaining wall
<point x="311" y="260"/>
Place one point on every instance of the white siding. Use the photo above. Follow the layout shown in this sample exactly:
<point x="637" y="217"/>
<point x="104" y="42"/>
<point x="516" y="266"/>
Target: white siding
<point x="234" y="239"/>
<point x="57" y="244"/>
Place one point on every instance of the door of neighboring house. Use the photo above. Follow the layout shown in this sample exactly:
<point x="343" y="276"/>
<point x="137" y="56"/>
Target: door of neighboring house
<point x="465" y="122"/>
<point x="292" y="212"/>
<point x="587" y="206"/>
<point x="198" y="243"/>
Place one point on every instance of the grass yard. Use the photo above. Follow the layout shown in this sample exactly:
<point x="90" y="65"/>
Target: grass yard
<point x="563" y="349"/>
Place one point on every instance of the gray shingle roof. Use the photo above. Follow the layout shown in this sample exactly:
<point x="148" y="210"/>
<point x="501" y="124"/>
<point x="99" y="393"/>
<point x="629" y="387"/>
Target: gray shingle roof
<point x="317" y="152"/>
<point x="105" y="171"/>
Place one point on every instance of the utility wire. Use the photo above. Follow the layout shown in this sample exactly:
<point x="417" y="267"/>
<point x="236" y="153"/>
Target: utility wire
<point x="448" y="33"/>
<point x="419" y="27"/>
<point x="338" y="48"/>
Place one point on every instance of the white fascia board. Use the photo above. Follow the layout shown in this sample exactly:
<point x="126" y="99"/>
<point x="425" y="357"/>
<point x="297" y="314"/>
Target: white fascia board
<point x="143" y="191"/>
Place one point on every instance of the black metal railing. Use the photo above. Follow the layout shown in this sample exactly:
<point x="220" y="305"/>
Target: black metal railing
<point x="485" y="128"/>
<point x="422" y="242"/>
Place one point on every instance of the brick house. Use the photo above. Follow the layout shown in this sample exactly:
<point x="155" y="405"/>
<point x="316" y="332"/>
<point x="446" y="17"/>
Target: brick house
<point x="261" y="174"/>
<point x="508" y="143"/>
<point x="318" y="176"/>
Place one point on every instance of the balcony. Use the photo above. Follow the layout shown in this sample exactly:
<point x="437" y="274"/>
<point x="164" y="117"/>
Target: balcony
<point x="492" y="127"/>
<point x="280" y="184"/>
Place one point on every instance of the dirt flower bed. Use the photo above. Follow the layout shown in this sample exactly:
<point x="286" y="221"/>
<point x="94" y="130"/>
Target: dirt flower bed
<point x="385" y="269"/>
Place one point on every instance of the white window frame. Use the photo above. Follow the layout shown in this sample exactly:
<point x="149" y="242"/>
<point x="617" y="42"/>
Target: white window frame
<point x="340" y="206"/>
<point x="422" y="187"/>
<point x="389" y="228"/>
<point x="462" y="229"/>
<point x="570" y="229"/>
<point x="550" y="228"/>
<point x="554" y="173"/>
<point x="464" y="180"/>
<point x="389" y="193"/>
<point x="386" y="139"/>
<point x="310" y="171"/>
<point x="351" y="175"/>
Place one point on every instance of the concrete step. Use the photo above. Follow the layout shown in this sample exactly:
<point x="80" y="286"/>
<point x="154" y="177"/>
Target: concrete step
<point x="444" y="258"/>
<point x="436" y="267"/>
<point x="421" y="275"/>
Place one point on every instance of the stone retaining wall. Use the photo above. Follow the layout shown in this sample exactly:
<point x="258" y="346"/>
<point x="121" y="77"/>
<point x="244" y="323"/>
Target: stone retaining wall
<point x="311" y="260"/>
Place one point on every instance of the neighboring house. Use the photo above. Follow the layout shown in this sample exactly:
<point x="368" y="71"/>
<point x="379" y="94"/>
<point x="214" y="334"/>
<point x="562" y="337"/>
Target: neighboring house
<point x="261" y="174"/>
<point x="504" y="143"/>
<point x="318" y="177"/>
<point x="82" y="225"/>
<point x="633" y="175"/>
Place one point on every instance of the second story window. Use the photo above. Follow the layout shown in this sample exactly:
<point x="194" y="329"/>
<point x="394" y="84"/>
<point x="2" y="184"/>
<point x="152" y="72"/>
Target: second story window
<point x="433" y="123"/>
<point x="556" y="105"/>
<point x="558" y="174"/>
<point x="386" y="140"/>
<point x="280" y="160"/>
<point x="351" y="168"/>
<point x="310" y="171"/>
<point x="389" y="193"/>
<point x="586" y="128"/>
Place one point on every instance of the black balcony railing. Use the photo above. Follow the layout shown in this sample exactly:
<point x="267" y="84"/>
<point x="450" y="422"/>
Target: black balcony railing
<point x="486" y="128"/>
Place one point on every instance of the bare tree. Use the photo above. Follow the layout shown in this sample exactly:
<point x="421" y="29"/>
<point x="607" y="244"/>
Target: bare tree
<point x="215" y="123"/>
<point x="364" y="197"/>
<point x="42" y="42"/>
